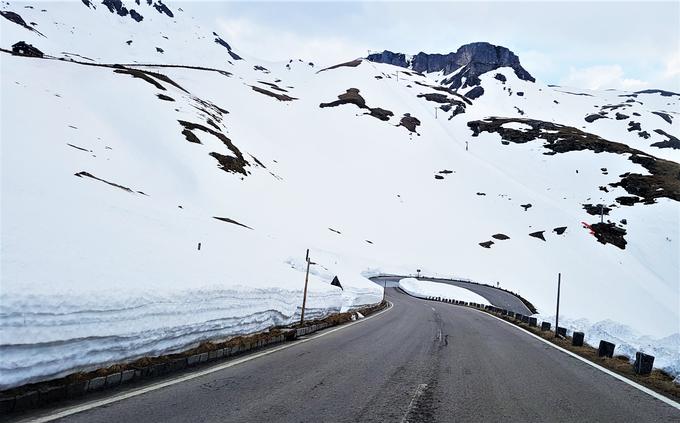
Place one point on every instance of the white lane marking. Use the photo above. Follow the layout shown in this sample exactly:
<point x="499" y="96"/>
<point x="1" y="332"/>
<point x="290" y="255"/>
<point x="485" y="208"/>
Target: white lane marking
<point x="420" y="389"/>
<point x="433" y="309"/>
<point x="597" y="366"/>
<point x="68" y="411"/>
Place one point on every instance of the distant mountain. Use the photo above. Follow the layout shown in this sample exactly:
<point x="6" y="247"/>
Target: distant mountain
<point x="465" y="66"/>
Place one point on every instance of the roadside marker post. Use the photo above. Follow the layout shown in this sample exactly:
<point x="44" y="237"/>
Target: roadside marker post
<point x="557" y="314"/>
<point x="304" y="297"/>
<point x="384" y="288"/>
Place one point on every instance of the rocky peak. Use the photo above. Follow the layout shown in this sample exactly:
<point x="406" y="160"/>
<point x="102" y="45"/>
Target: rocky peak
<point x="472" y="59"/>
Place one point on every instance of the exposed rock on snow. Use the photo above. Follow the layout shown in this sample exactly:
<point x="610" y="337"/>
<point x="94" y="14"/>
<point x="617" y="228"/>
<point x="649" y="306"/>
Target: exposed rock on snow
<point x="228" y="220"/>
<point x="17" y="19"/>
<point x="280" y="97"/>
<point x="351" y="64"/>
<point x="670" y="142"/>
<point x="352" y="96"/>
<point x="538" y="234"/>
<point x="662" y="181"/>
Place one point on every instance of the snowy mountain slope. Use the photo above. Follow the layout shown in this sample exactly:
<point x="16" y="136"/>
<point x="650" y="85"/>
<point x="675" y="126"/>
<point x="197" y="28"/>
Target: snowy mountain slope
<point x="93" y="273"/>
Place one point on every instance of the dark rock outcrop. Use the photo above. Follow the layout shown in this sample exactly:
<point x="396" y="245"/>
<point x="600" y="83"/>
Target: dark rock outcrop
<point x="470" y="61"/>
<point x="663" y="93"/>
<point x="17" y="19"/>
<point x="665" y="116"/>
<point x="163" y="9"/>
<point x="670" y="142"/>
<point x="226" y="45"/>
<point x="474" y="93"/>
<point x="593" y="118"/>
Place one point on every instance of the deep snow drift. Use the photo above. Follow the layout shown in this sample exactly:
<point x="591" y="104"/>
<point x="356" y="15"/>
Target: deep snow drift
<point x="111" y="176"/>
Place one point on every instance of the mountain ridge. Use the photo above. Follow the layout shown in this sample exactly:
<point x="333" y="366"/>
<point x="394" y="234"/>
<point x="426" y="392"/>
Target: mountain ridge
<point x="465" y="65"/>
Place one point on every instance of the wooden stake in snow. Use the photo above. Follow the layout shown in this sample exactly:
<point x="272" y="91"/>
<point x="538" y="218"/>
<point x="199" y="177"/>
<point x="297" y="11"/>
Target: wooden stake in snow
<point x="557" y="314"/>
<point x="304" y="297"/>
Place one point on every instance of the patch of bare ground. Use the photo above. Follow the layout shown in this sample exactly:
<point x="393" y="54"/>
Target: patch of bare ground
<point x="447" y="104"/>
<point x="84" y="174"/>
<point x="538" y="234"/>
<point x="609" y="233"/>
<point x="350" y="64"/>
<point x="352" y="96"/>
<point x="662" y="182"/>
<point x="233" y="164"/>
<point x="232" y="221"/>
<point x="670" y="142"/>
<point x="165" y="97"/>
<point x="280" y="97"/>
<point x="409" y="122"/>
<point x="152" y="78"/>
<point x="560" y="230"/>
<point x="17" y="19"/>
<point x="273" y="86"/>
<point x="78" y="148"/>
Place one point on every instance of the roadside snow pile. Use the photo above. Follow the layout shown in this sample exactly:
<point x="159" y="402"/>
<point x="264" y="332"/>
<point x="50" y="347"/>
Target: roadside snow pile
<point x="55" y="334"/>
<point x="424" y="289"/>
<point x="666" y="350"/>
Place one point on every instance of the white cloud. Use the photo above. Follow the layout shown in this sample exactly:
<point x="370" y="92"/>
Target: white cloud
<point x="672" y="66"/>
<point x="249" y="37"/>
<point x="602" y="77"/>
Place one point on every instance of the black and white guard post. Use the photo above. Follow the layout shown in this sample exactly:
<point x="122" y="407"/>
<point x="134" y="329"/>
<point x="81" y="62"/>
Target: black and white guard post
<point x="557" y="314"/>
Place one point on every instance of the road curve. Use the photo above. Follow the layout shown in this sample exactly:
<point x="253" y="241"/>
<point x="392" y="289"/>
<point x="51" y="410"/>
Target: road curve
<point x="420" y="361"/>
<point x="495" y="296"/>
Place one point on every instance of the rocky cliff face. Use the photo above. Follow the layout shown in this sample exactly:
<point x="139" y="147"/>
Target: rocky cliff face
<point x="475" y="59"/>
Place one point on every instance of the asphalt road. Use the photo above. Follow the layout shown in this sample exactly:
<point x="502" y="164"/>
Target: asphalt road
<point x="420" y="361"/>
<point x="497" y="297"/>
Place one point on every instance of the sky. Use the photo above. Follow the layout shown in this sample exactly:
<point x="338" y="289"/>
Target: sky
<point x="593" y="45"/>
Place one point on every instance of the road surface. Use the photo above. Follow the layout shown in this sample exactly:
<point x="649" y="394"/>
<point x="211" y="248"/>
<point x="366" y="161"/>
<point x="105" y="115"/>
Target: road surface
<point x="420" y="361"/>
<point x="496" y="297"/>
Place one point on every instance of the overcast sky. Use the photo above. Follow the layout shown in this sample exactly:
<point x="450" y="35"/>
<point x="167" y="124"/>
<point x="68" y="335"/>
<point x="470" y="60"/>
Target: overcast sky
<point x="630" y="45"/>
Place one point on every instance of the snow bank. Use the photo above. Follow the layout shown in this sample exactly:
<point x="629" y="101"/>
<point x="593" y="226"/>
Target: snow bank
<point x="628" y="341"/>
<point x="424" y="289"/>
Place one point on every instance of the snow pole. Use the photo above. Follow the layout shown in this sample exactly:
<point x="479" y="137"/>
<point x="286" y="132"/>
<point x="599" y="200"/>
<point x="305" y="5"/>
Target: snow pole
<point x="384" y="288"/>
<point x="557" y="314"/>
<point x="304" y="297"/>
